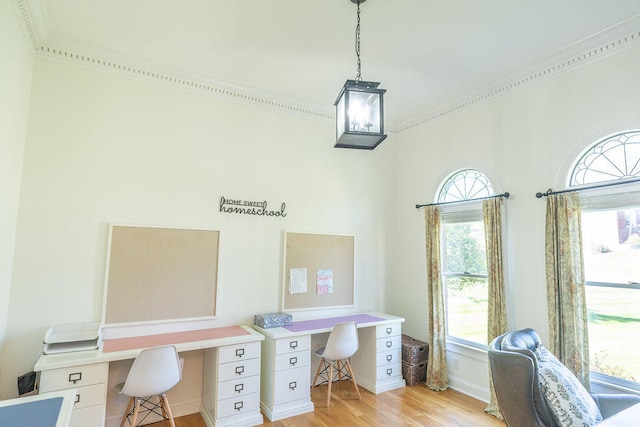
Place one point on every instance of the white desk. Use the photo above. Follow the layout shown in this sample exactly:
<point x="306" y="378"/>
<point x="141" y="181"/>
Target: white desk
<point x="286" y="360"/>
<point x="45" y="409"/>
<point x="231" y="365"/>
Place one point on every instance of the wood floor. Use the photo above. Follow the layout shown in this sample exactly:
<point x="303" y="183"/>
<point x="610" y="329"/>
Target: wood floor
<point x="410" y="406"/>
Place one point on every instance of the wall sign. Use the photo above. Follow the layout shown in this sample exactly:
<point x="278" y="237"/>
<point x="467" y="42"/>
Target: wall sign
<point x="248" y="207"/>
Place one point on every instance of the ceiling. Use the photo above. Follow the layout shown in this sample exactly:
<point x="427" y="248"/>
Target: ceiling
<point x="430" y="55"/>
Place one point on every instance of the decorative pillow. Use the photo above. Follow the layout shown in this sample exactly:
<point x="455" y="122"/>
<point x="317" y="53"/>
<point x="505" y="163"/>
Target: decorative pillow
<point x="570" y="403"/>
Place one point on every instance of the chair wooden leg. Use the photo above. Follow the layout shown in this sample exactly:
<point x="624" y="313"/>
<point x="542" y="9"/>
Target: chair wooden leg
<point x="136" y="409"/>
<point x="330" y="381"/>
<point x="317" y="373"/>
<point x="164" y="412"/>
<point x="353" y="378"/>
<point x="124" y="418"/>
<point x="340" y="369"/>
<point x="167" y="409"/>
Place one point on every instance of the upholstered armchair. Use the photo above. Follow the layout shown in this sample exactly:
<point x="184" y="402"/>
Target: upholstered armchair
<point x="532" y="388"/>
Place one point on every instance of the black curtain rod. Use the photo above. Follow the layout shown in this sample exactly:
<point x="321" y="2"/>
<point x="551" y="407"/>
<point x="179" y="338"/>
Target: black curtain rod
<point x="505" y="195"/>
<point x="550" y="192"/>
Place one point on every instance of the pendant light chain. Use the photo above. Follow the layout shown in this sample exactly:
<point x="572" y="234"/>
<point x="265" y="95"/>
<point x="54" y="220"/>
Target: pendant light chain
<point x="358" y="75"/>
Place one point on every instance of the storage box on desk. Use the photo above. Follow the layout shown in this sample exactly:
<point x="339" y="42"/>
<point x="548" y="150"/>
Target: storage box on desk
<point x="414" y="374"/>
<point x="272" y="320"/>
<point x="414" y="351"/>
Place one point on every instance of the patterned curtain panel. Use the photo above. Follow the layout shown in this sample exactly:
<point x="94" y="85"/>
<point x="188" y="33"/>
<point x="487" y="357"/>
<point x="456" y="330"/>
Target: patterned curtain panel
<point x="437" y="375"/>
<point x="565" y="284"/>
<point x="497" y="316"/>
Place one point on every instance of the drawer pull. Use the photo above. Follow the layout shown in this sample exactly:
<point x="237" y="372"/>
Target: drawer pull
<point x="238" y="405"/>
<point x="389" y="330"/>
<point x="77" y="398"/>
<point x="239" y="370"/>
<point x="389" y="344"/>
<point x="389" y="357"/>
<point x="240" y="352"/>
<point x="74" y="377"/>
<point x="389" y="371"/>
<point x="293" y="361"/>
<point x="239" y="387"/>
<point x="293" y="344"/>
<point x="293" y="385"/>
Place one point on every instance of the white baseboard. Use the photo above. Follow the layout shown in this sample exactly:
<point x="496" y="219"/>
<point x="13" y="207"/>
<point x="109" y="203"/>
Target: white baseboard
<point x="470" y="389"/>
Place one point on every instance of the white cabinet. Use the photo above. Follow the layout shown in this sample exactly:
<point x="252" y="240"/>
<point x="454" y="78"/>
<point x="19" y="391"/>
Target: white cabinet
<point x="286" y="359"/>
<point x="292" y="359"/>
<point x="377" y="364"/>
<point x="232" y="396"/>
<point x="285" y="388"/>
<point x="90" y="382"/>
<point x="388" y="352"/>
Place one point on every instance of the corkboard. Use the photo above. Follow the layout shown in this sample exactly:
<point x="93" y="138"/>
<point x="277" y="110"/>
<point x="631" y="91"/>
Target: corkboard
<point x="158" y="274"/>
<point x="313" y="253"/>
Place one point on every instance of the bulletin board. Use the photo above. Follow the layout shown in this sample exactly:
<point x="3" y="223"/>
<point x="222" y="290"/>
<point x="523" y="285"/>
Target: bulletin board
<point x="160" y="274"/>
<point x="318" y="271"/>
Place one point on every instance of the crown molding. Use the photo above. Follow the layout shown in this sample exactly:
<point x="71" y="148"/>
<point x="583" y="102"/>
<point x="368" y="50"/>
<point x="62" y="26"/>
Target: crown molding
<point x="184" y="80"/>
<point x="26" y="22"/>
<point x="593" y="48"/>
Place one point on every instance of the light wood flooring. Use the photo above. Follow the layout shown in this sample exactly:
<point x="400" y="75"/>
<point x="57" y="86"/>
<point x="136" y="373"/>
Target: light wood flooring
<point x="410" y="406"/>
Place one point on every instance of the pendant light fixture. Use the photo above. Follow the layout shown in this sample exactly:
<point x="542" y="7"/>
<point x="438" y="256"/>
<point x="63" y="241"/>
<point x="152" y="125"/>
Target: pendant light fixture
<point x="359" y="108"/>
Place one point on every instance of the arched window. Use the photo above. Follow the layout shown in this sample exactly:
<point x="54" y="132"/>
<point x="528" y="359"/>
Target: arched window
<point x="467" y="184"/>
<point x="613" y="158"/>
<point x="464" y="263"/>
<point x="611" y="254"/>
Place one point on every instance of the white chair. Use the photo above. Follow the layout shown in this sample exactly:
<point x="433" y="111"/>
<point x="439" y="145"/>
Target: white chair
<point x="341" y="345"/>
<point x="153" y="373"/>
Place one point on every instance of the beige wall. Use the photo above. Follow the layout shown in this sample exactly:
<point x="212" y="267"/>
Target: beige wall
<point x="15" y="86"/>
<point x="102" y="148"/>
<point x="525" y="142"/>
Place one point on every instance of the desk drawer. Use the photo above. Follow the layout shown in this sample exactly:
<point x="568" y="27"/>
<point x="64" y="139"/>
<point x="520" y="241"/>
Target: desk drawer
<point x="389" y="371"/>
<point x="236" y="370"/>
<point x="238" y="405"/>
<point x="389" y="356"/>
<point x="388" y="330"/>
<point x="90" y="395"/>
<point x="389" y="343"/>
<point x="231" y="353"/>
<point x="238" y="387"/>
<point x="74" y="377"/>
<point x="290" y="385"/>
<point x="293" y="360"/>
<point x="286" y="345"/>
<point x="90" y="416"/>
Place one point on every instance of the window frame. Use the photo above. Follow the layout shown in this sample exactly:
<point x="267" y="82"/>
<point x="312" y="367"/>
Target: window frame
<point x="610" y="199"/>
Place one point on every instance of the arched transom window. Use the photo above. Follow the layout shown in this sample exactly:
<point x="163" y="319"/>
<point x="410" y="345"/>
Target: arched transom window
<point x="467" y="184"/>
<point x="613" y="158"/>
<point x="464" y="264"/>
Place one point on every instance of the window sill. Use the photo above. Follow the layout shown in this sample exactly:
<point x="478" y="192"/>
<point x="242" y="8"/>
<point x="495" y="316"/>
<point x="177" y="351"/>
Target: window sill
<point x="467" y="350"/>
<point x="605" y="384"/>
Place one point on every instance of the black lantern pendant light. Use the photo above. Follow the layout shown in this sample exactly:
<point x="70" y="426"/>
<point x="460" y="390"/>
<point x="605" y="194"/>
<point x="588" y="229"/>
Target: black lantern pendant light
<point x="359" y="109"/>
